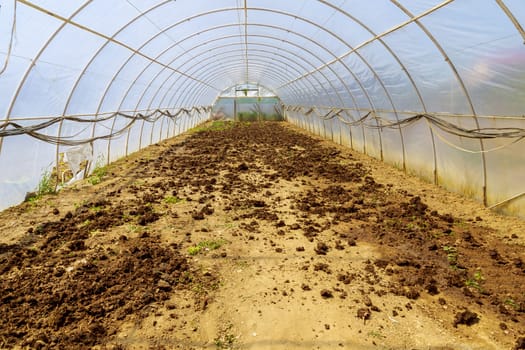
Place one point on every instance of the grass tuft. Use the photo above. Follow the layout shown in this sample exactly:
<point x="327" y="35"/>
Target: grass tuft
<point x="206" y="246"/>
<point x="45" y="186"/>
<point x="217" y="125"/>
<point x="98" y="173"/>
<point x="173" y="200"/>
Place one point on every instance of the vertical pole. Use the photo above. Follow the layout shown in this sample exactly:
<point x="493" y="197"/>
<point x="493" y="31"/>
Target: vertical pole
<point x="235" y="109"/>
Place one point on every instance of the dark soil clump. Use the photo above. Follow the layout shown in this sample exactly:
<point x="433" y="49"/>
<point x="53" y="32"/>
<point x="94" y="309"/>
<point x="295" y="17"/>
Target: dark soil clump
<point x="466" y="317"/>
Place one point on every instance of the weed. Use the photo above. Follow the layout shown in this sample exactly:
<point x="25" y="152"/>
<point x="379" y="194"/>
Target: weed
<point x="218" y="125"/>
<point x="412" y="227"/>
<point x="139" y="183"/>
<point x="78" y="205"/>
<point x="476" y="280"/>
<point x="85" y="223"/>
<point x="241" y="263"/>
<point x="198" y="288"/>
<point x="45" y="186"/>
<point x="376" y="334"/>
<point x="98" y="173"/>
<point x="95" y="233"/>
<point x="230" y="225"/>
<point x="511" y="302"/>
<point x="135" y="229"/>
<point x="225" y="340"/>
<point x="194" y="250"/>
<point x="478" y="276"/>
<point x="173" y="200"/>
<point x="187" y="277"/>
<point x="205" y="246"/>
<point x="96" y="209"/>
<point x="452" y="254"/>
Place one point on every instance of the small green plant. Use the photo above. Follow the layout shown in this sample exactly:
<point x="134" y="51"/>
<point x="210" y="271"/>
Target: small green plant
<point x="452" y="254"/>
<point x="99" y="172"/>
<point x="217" y="125"/>
<point x="412" y="227"/>
<point x="173" y="200"/>
<point x="478" y="276"/>
<point x="225" y="340"/>
<point x="45" y="186"/>
<point x="250" y="116"/>
<point x="230" y="225"/>
<point x="206" y="246"/>
<point x="194" y="250"/>
<point x="86" y="223"/>
<point x="95" y="233"/>
<point x="97" y="175"/>
<point x="186" y="278"/>
<point x="135" y="229"/>
<point x="511" y="303"/>
<point x="80" y="204"/>
<point x="376" y="334"/>
<point x="96" y="209"/>
<point x="241" y="263"/>
<point x="476" y="280"/>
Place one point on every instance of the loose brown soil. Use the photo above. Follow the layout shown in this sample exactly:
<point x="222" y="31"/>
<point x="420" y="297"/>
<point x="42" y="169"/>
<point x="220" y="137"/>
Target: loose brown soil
<point x="258" y="236"/>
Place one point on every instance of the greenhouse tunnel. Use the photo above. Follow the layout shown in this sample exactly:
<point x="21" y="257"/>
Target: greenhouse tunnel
<point x="435" y="88"/>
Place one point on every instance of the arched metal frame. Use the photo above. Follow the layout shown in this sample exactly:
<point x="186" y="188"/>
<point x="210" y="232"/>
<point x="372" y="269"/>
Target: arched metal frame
<point x="209" y="67"/>
<point x="204" y="79"/>
<point x="219" y="47"/>
<point x="230" y="67"/>
<point x="306" y="38"/>
<point x="415" y="19"/>
<point x="201" y="63"/>
<point x="215" y="11"/>
<point x="269" y="37"/>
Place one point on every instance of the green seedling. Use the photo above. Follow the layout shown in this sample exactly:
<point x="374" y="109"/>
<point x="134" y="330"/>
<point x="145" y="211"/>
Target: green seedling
<point x="135" y="229"/>
<point x="476" y="280"/>
<point x="205" y="246"/>
<point x="96" y="209"/>
<point x="173" y="200"/>
<point x="452" y="254"/>
<point x="98" y="173"/>
<point x="85" y="223"/>
<point x="512" y="303"/>
<point x="226" y="339"/>
<point x="217" y="125"/>
<point x="45" y="186"/>
<point x="225" y="342"/>
<point x="376" y="334"/>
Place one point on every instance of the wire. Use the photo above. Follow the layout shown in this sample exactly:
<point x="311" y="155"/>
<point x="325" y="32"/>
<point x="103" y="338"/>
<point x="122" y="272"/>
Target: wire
<point x="14" y="129"/>
<point x="444" y="140"/>
<point x="480" y="133"/>
<point x="11" y="39"/>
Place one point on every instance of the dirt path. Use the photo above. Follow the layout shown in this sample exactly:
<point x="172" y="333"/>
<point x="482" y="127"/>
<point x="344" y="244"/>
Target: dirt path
<point x="257" y="236"/>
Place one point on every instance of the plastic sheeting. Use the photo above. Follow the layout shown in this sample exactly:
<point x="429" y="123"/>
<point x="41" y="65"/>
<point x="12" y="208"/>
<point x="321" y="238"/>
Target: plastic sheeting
<point x="459" y="60"/>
